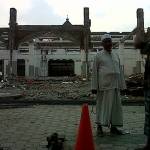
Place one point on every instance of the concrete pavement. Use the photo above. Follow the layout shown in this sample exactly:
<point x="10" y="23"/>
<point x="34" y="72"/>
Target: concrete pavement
<point x="26" y="128"/>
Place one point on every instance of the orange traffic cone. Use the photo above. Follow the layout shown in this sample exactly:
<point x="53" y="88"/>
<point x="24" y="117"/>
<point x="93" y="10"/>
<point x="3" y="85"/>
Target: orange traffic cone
<point x="85" y="138"/>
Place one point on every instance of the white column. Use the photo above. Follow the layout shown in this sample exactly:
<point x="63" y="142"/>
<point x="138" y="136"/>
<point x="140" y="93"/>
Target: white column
<point x="83" y="63"/>
<point x="121" y="53"/>
<point x="27" y="67"/>
<point x="77" y="67"/>
<point x="44" y="65"/>
<point x="32" y="59"/>
<point x="122" y="56"/>
<point x="6" y="62"/>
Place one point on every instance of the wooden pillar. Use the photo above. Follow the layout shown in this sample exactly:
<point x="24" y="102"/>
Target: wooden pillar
<point x="12" y="36"/>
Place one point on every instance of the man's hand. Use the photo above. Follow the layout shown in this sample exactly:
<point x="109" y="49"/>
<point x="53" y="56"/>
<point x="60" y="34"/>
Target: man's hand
<point x="94" y="91"/>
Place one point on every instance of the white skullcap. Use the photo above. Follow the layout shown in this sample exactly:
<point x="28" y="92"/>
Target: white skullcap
<point x="106" y="36"/>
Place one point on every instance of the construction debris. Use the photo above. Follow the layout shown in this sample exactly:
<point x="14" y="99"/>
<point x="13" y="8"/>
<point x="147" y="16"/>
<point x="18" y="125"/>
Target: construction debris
<point x="135" y="84"/>
<point x="53" y="89"/>
<point x="55" y="142"/>
<point x="65" y="88"/>
<point x="58" y="90"/>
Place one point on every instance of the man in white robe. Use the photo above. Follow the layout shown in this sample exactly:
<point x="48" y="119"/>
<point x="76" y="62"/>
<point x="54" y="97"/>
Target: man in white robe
<point x="107" y="81"/>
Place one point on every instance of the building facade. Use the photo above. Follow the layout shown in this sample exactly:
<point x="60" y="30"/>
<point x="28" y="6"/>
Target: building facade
<point x="38" y="58"/>
<point x="66" y="50"/>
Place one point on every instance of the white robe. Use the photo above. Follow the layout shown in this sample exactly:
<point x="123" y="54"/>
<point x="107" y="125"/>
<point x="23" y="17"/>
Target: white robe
<point x="108" y="79"/>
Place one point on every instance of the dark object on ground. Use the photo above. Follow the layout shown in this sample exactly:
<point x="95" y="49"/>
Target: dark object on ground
<point x="55" y="142"/>
<point x="135" y="84"/>
<point x="124" y="92"/>
<point x="5" y="148"/>
<point x="100" y="131"/>
<point x="94" y="91"/>
<point x="114" y="130"/>
<point x="144" y="148"/>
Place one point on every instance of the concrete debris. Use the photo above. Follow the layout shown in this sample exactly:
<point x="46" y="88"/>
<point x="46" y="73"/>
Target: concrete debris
<point x="52" y="89"/>
<point x="56" y="142"/>
<point x="65" y="88"/>
<point x="135" y="84"/>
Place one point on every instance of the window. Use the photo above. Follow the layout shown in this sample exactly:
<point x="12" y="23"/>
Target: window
<point x="128" y="44"/>
<point x="24" y="44"/>
<point x="116" y="36"/>
<point x="23" y="50"/>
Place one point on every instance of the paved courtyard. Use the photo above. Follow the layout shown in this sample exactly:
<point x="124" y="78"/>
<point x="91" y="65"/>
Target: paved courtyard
<point x="26" y="128"/>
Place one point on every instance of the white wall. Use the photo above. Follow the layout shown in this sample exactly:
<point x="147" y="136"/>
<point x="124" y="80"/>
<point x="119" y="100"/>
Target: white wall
<point x="129" y="58"/>
<point x="78" y="68"/>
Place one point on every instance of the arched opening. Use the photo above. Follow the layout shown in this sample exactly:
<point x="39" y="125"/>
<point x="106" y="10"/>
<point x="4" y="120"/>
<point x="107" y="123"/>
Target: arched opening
<point x="20" y="67"/>
<point x="60" y="68"/>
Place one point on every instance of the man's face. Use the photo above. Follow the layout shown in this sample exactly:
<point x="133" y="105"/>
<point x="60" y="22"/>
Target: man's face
<point x="107" y="44"/>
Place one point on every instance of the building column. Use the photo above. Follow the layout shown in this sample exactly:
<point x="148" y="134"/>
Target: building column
<point x="27" y="68"/>
<point x="87" y="25"/>
<point x="121" y="55"/>
<point x="44" y="64"/>
<point x="31" y="60"/>
<point x="83" y="63"/>
<point x="5" y="71"/>
<point x="12" y="37"/>
<point x="121" y="52"/>
<point x="140" y="24"/>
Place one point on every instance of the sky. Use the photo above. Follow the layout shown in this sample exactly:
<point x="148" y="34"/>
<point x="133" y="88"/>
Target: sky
<point x="105" y="15"/>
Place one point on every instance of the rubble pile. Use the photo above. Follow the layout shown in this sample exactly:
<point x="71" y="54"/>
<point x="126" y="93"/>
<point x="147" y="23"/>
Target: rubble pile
<point x="55" y="90"/>
<point x="135" y="85"/>
<point x="52" y="89"/>
<point x="65" y="88"/>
